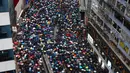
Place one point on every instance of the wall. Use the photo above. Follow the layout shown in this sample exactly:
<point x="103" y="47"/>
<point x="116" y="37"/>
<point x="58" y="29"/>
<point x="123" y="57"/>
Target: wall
<point x="19" y="7"/>
<point x="7" y="66"/>
<point x="4" y="19"/>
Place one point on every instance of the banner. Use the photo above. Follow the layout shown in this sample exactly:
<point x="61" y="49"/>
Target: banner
<point x="15" y="2"/>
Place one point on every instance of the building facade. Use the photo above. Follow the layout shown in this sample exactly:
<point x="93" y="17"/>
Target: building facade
<point x="108" y="28"/>
<point x="19" y="7"/>
<point x="7" y="62"/>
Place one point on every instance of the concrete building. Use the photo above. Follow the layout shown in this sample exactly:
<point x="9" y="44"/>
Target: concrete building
<point x="108" y="25"/>
<point x="7" y="63"/>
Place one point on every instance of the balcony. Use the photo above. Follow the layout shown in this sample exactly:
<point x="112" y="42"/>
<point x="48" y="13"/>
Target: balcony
<point x="125" y="36"/>
<point x="123" y="2"/>
<point x="123" y="47"/>
<point x="98" y="53"/>
<point x="101" y="16"/>
<point x="114" y="7"/>
<point x="113" y="48"/>
<point x="119" y="17"/>
<point x="127" y="24"/>
<point x="103" y="33"/>
<point x="111" y="2"/>
<point x="121" y="7"/>
<point x="107" y="9"/>
<point x="128" y="12"/>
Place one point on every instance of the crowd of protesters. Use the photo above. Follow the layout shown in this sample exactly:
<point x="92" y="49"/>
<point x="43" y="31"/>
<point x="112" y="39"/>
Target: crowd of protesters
<point x="53" y="27"/>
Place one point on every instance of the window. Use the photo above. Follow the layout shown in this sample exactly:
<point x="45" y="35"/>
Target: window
<point x="1" y="2"/>
<point x="128" y="11"/>
<point x="122" y="44"/>
<point x="121" y="7"/>
<point x="129" y="2"/>
<point x="118" y="29"/>
<point x="5" y="31"/>
<point x="125" y="0"/>
<point x="127" y="24"/>
<point x="6" y="55"/>
<point x="3" y="5"/>
<point x="100" y="2"/>
<point x="119" y="17"/>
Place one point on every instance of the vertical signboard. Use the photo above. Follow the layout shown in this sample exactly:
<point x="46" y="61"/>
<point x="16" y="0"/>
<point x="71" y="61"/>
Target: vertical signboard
<point x="15" y="2"/>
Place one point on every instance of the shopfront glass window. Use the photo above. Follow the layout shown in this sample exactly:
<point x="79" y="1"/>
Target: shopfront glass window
<point x="5" y="32"/>
<point x="3" y="5"/>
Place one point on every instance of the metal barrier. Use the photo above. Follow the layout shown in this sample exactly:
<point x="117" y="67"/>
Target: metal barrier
<point x="47" y="65"/>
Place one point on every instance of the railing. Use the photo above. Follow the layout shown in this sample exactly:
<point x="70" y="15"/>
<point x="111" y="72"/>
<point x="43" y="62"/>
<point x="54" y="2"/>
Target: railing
<point x="110" y="70"/>
<point x="99" y="14"/>
<point x="47" y="65"/>
<point x="113" y="48"/>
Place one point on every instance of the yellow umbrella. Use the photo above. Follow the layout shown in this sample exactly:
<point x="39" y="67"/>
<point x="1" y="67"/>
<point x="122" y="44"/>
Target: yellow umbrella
<point x="71" y="69"/>
<point x="48" y="22"/>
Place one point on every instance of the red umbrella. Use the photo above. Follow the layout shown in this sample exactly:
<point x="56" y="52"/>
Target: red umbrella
<point x="68" y="35"/>
<point x="15" y="43"/>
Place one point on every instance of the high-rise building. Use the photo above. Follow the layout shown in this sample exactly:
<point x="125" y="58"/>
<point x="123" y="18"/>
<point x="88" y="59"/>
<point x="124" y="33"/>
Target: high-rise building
<point x="7" y="62"/>
<point x="108" y="25"/>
